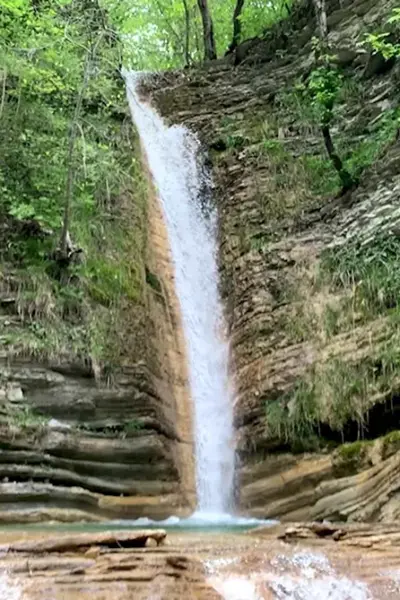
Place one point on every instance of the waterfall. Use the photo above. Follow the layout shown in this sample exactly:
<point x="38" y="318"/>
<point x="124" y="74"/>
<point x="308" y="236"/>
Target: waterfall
<point x="172" y="154"/>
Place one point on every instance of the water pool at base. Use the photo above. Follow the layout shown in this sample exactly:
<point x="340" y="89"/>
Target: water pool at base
<point x="198" y="522"/>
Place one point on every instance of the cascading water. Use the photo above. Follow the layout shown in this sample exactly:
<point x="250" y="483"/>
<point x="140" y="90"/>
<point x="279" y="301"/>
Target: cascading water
<point x="172" y="154"/>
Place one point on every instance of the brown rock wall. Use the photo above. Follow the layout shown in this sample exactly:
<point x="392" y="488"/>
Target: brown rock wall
<point x="273" y="231"/>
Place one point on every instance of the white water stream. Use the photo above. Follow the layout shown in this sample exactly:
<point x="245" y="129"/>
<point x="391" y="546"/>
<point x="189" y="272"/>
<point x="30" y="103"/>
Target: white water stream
<point x="172" y="154"/>
<point x="302" y="576"/>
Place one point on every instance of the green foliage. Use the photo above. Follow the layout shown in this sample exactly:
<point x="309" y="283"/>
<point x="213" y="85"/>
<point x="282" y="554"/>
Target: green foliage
<point x="42" y="66"/>
<point x="43" y="53"/>
<point x="155" y="31"/>
<point x="294" y="418"/>
<point x="258" y="17"/>
<point x="296" y="104"/>
<point x="315" y="99"/>
<point x="323" y="89"/>
<point x="381" y="133"/>
<point x="346" y="394"/>
<point x="369" y="269"/>
<point x="25" y="418"/>
<point x="382" y="43"/>
<point x="335" y="395"/>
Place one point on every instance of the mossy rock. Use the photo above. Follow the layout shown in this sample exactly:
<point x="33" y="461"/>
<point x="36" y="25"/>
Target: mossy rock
<point x="391" y="444"/>
<point x="351" y="458"/>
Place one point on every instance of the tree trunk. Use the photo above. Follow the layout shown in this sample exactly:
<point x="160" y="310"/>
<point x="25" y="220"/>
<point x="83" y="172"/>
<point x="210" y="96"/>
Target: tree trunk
<point x="322" y="23"/>
<point x="237" y="25"/>
<point x="187" y="33"/>
<point x="210" y="52"/>
<point x="345" y="177"/>
<point x="65" y="241"/>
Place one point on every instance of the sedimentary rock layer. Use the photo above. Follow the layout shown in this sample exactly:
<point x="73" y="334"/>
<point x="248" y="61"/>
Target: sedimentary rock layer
<point x="74" y="448"/>
<point x="272" y="235"/>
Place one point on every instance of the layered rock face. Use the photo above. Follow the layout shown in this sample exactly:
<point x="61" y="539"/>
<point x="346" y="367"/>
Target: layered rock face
<point x="116" y="564"/>
<point x="280" y="219"/>
<point x="312" y="358"/>
<point x="74" y="448"/>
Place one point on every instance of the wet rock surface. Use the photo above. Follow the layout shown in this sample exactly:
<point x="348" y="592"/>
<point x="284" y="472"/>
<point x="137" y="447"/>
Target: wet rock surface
<point x="100" y="566"/>
<point x="199" y="566"/>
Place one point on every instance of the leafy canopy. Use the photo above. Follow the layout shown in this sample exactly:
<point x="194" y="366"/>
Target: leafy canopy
<point x="154" y="30"/>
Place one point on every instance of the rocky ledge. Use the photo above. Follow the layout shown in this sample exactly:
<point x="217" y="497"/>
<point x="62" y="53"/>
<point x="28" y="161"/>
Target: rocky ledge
<point x="117" y="564"/>
<point x="270" y="564"/>
<point x="75" y="450"/>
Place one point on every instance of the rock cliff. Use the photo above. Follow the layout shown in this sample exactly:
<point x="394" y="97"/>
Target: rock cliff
<point x="310" y="284"/>
<point x="314" y="329"/>
<point x="78" y="446"/>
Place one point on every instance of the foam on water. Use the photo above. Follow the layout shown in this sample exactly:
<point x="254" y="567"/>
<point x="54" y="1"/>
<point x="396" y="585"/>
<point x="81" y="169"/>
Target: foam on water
<point x="303" y="576"/>
<point x="320" y="588"/>
<point x="8" y="589"/>
<point x="237" y="588"/>
<point x="174" y="158"/>
<point x="200" y="520"/>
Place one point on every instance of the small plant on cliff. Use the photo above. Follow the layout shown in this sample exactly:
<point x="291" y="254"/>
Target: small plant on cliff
<point x="293" y="419"/>
<point x="132" y="427"/>
<point x="369" y="269"/>
<point x="25" y="418"/>
<point x="381" y="43"/>
<point x="322" y="89"/>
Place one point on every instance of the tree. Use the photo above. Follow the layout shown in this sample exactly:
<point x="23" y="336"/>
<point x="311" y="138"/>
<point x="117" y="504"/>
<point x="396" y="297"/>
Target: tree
<point x="210" y="52"/>
<point x="57" y="73"/>
<point x="187" y="32"/>
<point x="322" y="22"/>
<point x="323" y="86"/>
<point x="237" y="25"/>
<point x="65" y="246"/>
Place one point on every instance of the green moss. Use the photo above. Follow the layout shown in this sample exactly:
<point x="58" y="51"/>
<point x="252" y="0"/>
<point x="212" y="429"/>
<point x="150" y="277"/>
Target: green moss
<point x="393" y="437"/>
<point x="132" y="427"/>
<point x="351" y="458"/>
<point x="391" y="444"/>
<point x="153" y="281"/>
<point x="353" y="451"/>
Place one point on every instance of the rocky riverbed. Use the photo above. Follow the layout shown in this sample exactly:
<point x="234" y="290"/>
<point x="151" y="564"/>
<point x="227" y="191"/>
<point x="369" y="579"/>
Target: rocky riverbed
<point x="301" y="562"/>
